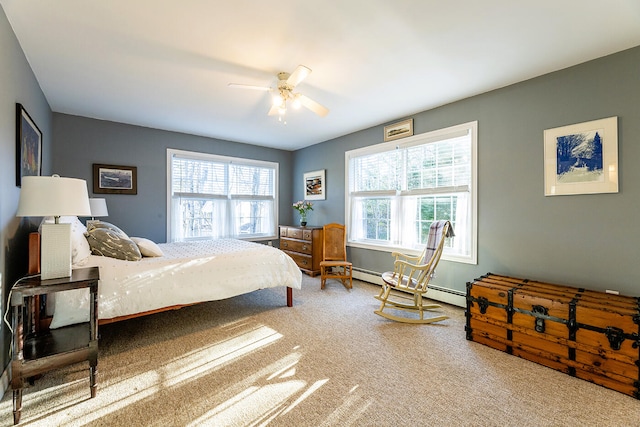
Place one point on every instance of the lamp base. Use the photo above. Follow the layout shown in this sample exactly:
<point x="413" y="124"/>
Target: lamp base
<point x="55" y="261"/>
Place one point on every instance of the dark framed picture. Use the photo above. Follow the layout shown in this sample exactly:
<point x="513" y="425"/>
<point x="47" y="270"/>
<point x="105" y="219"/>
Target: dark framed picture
<point x="28" y="146"/>
<point x="112" y="179"/>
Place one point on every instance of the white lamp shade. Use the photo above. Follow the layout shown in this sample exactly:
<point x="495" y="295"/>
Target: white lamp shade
<point x="53" y="196"/>
<point x="98" y="207"/>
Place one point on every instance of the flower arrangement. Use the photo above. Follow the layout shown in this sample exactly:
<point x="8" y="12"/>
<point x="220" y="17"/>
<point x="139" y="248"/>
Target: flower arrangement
<point x="303" y="207"/>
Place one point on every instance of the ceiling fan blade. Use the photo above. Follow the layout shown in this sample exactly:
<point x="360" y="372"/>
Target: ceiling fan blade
<point x="251" y="87"/>
<point x="313" y="105"/>
<point x="273" y="111"/>
<point x="299" y="74"/>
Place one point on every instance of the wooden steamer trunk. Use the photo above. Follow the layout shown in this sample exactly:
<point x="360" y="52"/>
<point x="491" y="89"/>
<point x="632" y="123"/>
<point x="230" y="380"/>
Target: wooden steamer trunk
<point x="590" y="335"/>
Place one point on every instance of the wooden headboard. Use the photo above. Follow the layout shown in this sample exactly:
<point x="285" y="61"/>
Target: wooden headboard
<point x="34" y="253"/>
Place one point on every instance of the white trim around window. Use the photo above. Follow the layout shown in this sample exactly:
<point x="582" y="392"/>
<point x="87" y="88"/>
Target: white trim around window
<point x="394" y="190"/>
<point x="211" y="196"/>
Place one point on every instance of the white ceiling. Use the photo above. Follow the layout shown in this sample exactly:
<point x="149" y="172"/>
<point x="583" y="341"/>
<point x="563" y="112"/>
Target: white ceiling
<point x="166" y="64"/>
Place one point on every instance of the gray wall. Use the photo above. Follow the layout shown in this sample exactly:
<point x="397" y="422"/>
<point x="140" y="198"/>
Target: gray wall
<point x="80" y="142"/>
<point x="586" y="240"/>
<point x="17" y="84"/>
<point x="583" y="240"/>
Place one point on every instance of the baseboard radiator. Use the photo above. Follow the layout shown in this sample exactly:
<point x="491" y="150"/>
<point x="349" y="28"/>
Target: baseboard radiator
<point x="438" y="293"/>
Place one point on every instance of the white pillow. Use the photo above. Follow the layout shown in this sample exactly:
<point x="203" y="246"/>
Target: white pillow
<point x="70" y="307"/>
<point x="80" y="249"/>
<point x="147" y="247"/>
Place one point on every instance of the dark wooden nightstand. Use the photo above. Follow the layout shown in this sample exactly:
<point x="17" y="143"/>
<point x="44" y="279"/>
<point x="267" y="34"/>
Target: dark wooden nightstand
<point x="36" y="352"/>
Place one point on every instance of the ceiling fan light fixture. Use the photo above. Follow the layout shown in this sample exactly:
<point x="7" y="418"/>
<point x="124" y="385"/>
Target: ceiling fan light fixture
<point x="278" y="100"/>
<point x="296" y="104"/>
<point x="284" y="91"/>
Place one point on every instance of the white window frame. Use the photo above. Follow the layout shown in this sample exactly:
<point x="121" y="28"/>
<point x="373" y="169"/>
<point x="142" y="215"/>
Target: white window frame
<point x="273" y="233"/>
<point x="421" y="139"/>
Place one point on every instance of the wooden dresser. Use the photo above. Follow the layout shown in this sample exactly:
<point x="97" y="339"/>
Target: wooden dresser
<point x="304" y="245"/>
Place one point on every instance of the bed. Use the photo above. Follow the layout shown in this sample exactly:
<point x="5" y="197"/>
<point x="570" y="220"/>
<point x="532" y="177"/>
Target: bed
<point x="180" y="274"/>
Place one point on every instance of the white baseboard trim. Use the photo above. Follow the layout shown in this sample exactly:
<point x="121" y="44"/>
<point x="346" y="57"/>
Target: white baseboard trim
<point x="437" y="293"/>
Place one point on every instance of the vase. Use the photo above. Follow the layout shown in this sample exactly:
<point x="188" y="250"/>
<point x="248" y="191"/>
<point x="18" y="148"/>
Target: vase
<point x="303" y="219"/>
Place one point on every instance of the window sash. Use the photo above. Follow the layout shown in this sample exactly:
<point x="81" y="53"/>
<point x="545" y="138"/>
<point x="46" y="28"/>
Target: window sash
<point x="212" y="196"/>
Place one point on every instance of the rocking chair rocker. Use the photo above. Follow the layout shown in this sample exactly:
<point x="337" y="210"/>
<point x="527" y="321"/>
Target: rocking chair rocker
<point x="405" y="286"/>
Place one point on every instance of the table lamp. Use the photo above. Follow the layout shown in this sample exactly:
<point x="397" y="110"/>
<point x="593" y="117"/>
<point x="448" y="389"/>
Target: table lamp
<point x="54" y="196"/>
<point x="98" y="208"/>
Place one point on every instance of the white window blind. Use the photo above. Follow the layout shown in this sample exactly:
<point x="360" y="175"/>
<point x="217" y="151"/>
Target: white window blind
<point x="215" y="196"/>
<point x="397" y="189"/>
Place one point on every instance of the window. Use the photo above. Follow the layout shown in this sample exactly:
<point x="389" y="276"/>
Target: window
<point x="213" y="196"/>
<point x="397" y="189"/>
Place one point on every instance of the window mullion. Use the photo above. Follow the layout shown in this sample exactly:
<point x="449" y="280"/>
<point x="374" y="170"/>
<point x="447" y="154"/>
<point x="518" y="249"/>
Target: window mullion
<point x="437" y="190"/>
<point x="385" y="193"/>
<point x="203" y="196"/>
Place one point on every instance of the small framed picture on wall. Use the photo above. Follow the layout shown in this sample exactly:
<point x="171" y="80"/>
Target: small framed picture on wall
<point x="111" y="179"/>
<point x="314" y="185"/>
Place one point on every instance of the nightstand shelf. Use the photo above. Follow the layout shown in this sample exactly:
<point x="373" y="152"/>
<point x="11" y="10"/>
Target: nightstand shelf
<point x="56" y="341"/>
<point x="38" y="351"/>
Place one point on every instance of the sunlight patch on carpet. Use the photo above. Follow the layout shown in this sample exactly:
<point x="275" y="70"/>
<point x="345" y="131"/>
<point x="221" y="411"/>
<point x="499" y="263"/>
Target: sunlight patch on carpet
<point x="188" y="367"/>
<point x="202" y="361"/>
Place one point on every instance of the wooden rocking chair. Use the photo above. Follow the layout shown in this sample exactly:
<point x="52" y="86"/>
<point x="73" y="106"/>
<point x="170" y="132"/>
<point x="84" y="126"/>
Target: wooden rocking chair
<point x="410" y="279"/>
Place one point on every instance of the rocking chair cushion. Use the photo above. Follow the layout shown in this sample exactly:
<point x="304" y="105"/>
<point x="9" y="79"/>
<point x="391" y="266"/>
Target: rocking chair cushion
<point x="391" y="279"/>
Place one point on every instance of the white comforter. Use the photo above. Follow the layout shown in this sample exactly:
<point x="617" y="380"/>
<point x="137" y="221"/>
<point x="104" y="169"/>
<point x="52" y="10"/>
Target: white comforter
<point x="189" y="272"/>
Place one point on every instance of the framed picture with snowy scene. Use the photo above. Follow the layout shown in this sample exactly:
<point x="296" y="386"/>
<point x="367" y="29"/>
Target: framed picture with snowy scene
<point x="581" y="158"/>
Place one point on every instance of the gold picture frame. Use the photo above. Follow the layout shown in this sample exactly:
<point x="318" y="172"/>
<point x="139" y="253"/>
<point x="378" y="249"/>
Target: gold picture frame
<point x="398" y="130"/>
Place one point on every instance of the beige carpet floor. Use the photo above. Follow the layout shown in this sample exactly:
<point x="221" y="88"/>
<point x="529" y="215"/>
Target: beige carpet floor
<point x="328" y="361"/>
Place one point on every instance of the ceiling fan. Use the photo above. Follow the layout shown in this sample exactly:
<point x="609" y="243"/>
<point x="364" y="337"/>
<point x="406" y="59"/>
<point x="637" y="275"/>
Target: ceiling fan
<point x="284" y="92"/>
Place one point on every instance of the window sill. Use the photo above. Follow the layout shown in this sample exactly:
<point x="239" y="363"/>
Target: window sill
<point x="445" y="256"/>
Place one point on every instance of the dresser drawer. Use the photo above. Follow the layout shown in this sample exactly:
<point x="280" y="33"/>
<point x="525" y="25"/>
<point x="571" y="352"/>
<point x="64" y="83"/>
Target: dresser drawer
<point x="294" y="233"/>
<point x="303" y="261"/>
<point x="296" y="246"/>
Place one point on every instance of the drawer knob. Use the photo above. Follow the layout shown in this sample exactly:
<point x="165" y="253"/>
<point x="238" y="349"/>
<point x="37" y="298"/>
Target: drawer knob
<point x="285" y="244"/>
<point x="304" y="247"/>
